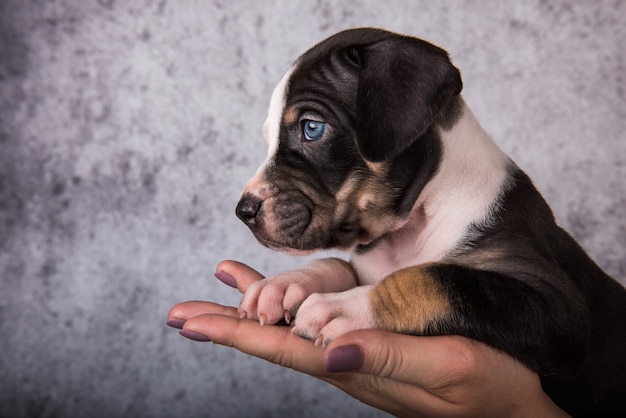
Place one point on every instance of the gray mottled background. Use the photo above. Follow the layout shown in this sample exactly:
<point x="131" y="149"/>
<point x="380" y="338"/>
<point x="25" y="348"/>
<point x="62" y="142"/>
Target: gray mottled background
<point x="128" y="129"/>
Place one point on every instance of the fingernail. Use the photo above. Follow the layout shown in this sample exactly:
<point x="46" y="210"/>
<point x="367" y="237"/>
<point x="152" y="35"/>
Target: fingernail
<point x="226" y="278"/>
<point x="175" y="323"/>
<point x="193" y="335"/>
<point x="344" y="359"/>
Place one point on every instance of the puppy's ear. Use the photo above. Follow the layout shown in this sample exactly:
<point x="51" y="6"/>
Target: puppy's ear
<point x="403" y="85"/>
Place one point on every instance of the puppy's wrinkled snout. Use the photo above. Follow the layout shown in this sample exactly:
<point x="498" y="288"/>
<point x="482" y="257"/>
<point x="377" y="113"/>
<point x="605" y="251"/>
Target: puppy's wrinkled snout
<point x="247" y="208"/>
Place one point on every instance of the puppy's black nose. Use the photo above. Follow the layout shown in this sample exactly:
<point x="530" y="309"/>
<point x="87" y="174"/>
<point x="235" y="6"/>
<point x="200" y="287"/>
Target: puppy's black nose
<point x="247" y="208"/>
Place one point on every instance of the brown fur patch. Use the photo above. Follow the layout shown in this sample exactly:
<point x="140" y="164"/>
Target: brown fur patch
<point x="365" y="198"/>
<point x="291" y="115"/>
<point x="379" y="169"/>
<point x="408" y="300"/>
<point x="483" y="259"/>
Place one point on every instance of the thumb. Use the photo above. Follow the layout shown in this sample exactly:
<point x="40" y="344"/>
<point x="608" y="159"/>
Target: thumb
<point x="236" y="274"/>
<point x="421" y="361"/>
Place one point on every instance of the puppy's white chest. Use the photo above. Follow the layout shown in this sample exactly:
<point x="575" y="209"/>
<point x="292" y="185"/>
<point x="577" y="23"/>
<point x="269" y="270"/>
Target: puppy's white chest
<point x="388" y="257"/>
<point x="472" y="176"/>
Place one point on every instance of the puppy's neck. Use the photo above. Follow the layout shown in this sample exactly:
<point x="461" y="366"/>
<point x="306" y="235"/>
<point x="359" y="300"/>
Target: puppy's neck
<point x="471" y="178"/>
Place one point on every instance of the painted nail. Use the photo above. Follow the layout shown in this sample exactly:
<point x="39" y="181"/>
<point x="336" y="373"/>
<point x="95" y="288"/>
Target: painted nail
<point x="175" y="323"/>
<point x="344" y="359"/>
<point x="226" y="278"/>
<point x="193" y="335"/>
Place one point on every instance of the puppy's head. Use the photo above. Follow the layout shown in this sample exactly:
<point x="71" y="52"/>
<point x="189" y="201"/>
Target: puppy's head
<point x="353" y="137"/>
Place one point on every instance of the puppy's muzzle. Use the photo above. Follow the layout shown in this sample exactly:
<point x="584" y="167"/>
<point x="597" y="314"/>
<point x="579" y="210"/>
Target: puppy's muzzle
<point x="278" y="221"/>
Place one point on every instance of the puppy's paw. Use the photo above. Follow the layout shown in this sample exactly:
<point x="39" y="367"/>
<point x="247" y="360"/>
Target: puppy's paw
<point x="325" y="316"/>
<point x="275" y="298"/>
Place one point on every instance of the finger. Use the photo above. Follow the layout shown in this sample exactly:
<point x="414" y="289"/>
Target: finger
<point x="403" y="373"/>
<point x="236" y="274"/>
<point x="430" y="362"/>
<point x="275" y="344"/>
<point x="185" y="310"/>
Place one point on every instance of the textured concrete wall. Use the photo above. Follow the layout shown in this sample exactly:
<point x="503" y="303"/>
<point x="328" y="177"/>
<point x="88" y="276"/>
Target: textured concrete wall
<point x="129" y="127"/>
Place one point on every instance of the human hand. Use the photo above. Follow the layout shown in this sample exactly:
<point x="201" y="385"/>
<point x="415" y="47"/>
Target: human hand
<point x="404" y="375"/>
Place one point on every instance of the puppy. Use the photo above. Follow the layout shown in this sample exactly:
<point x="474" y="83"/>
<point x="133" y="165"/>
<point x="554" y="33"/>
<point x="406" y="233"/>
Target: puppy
<point x="373" y="150"/>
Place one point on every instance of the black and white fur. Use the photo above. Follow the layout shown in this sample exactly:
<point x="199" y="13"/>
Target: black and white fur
<point x="447" y="234"/>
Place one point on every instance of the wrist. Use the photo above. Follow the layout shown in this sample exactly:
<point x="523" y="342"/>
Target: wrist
<point x="542" y="406"/>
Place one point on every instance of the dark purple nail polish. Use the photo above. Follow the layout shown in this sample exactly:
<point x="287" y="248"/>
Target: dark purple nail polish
<point x="344" y="359"/>
<point x="175" y="323"/>
<point x="226" y="278"/>
<point x="193" y="335"/>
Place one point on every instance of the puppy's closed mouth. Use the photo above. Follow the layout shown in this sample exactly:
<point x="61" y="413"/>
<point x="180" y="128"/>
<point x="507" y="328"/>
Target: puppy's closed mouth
<point x="279" y="221"/>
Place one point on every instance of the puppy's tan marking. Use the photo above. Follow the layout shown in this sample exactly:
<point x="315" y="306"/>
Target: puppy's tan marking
<point x="483" y="259"/>
<point x="291" y="115"/>
<point x="349" y="188"/>
<point x="408" y="300"/>
<point x="378" y="169"/>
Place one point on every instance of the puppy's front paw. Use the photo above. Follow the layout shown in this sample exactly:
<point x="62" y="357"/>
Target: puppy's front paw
<point x="325" y="316"/>
<point x="275" y="298"/>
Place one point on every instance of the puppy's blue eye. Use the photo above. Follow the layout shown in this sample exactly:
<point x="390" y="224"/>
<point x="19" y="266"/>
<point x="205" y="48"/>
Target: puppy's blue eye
<point x="313" y="130"/>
